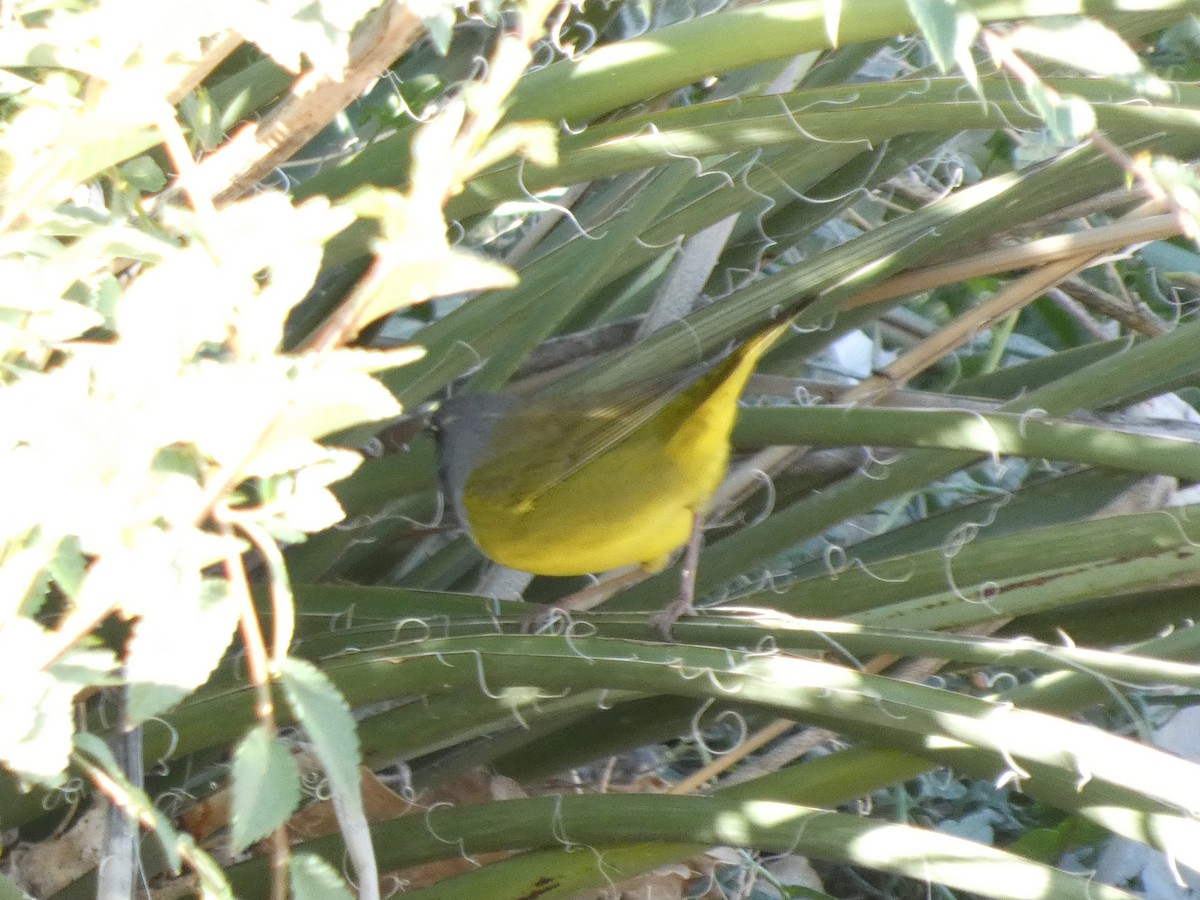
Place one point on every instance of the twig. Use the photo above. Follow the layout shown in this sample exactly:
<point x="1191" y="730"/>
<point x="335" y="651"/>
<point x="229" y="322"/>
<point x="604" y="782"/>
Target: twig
<point x="258" y="670"/>
<point x="1135" y="318"/>
<point x="121" y="856"/>
<point x="1012" y="297"/>
<point x="283" y="612"/>
<point x="257" y="148"/>
<point x="1034" y="253"/>
<point x="479" y="109"/>
<point x="744" y="480"/>
<point x="1078" y="313"/>
<point x="185" y="166"/>
<point x="214" y="54"/>
<point x="1139" y="169"/>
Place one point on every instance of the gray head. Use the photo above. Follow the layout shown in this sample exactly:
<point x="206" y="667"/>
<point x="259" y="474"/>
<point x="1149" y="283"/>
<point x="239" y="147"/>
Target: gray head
<point x="464" y="426"/>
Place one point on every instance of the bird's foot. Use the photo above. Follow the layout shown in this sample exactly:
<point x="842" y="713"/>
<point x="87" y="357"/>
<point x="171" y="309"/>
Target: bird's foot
<point x="664" y="620"/>
<point x="540" y="618"/>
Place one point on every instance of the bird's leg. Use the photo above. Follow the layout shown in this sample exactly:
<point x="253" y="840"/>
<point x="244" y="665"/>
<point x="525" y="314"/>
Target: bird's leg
<point x="682" y="605"/>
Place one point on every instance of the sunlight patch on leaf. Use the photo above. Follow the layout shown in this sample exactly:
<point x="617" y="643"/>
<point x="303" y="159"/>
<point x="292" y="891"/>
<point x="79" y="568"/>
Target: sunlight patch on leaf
<point x="832" y="10"/>
<point x="312" y="878"/>
<point x="414" y="262"/>
<point x="1182" y="185"/>
<point x="163" y="667"/>
<point x="1068" y="119"/>
<point x="438" y="18"/>
<point x="291" y="30"/>
<point x="1084" y="44"/>
<point x="301" y="502"/>
<point x="950" y="27"/>
<point x="37" y="706"/>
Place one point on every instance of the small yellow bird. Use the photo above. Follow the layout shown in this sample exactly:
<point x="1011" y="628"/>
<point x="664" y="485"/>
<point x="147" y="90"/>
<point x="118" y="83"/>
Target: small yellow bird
<point x="570" y="486"/>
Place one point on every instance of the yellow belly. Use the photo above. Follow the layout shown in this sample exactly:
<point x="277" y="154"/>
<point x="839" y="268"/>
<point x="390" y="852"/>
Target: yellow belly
<point x="632" y="505"/>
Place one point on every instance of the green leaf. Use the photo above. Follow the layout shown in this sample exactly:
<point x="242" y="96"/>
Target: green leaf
<point x="1049" y="844"/>
<point x="950" y="28"/>
<point x="27" y="311"/>
<point x="438" y="18"/>
<point x="264" y="416"/>
<point x="1084" y="44"/>
<point x="9" y="891"/>
<point x="266" y="787"/>
<point x="536" y="142"/>
<point x="68" y="567"/>
<point x="365" y="360"/>
<point x="319" y="31"/>
<point x="314" y="879"/>
<point x="326" y="719"/>
<point x="329" y="395"/>
<point x="161" y="668"/>
<point x="143" y="174"/>
<point x="414" y="262"/>
<point x="203" y="120"/>
<point x="1068" y="119"/>
<point x="1181" y="183"/>
<point x="37" y="715"/>
<point x="36" y="704"/>
<point x="51" y="149"/>
<point x="303" y="503"/>
<point x="99" y="756"/>
<point x="255" y="262"/>
<point x="408" y="278"/>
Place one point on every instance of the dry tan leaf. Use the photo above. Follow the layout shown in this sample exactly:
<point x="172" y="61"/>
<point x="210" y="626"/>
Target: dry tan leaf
<point x="207" y="816"/>
<point x="47" y="867"/>
<point x="665" y="883"/>
<point x="795" y="871"/>
<point x="186" y="885"/>
<point x="379" y="802"/>
<point x="504" y="788"/>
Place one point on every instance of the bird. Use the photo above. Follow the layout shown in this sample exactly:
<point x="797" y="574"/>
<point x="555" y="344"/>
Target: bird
<point x="597" y="481"/>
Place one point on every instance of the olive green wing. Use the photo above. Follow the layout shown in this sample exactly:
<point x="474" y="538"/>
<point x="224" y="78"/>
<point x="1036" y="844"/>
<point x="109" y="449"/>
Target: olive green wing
<point x="542" y="443"/>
